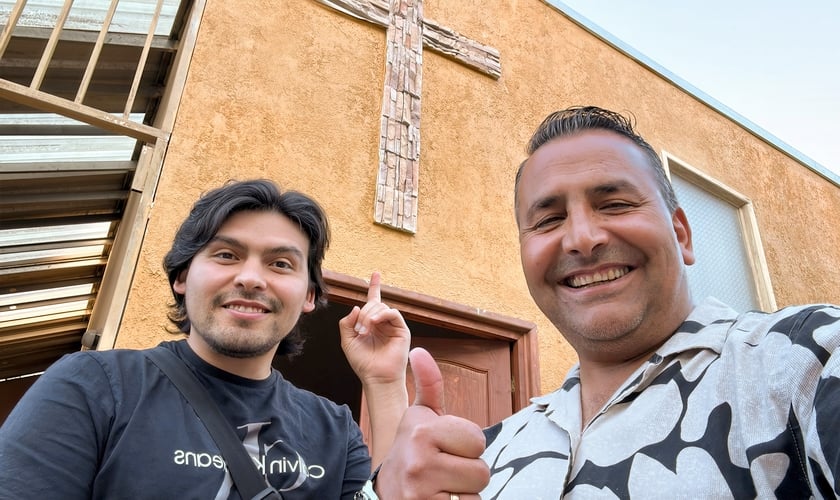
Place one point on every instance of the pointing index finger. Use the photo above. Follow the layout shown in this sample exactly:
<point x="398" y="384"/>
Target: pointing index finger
<point x="374" y="290"/>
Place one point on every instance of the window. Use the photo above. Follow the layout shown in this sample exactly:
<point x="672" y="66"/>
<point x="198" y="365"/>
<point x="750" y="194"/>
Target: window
<point x="730" y="262"/>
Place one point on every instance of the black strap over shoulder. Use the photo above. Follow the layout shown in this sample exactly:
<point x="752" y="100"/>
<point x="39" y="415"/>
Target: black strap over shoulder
<point x="249" y="481"/>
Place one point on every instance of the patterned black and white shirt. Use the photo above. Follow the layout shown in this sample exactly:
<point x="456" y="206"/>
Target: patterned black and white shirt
<point x="731" y="406"/>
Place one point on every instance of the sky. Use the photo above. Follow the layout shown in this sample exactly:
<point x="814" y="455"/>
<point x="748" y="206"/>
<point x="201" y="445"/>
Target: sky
<point x="773" y="62"/>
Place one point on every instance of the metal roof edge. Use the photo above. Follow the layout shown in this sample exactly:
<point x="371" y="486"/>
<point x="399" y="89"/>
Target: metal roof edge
<point x="698" y="94"/>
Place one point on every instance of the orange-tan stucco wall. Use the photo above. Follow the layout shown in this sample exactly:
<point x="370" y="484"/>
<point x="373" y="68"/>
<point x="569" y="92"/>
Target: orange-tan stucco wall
<point x="291" y="91"/>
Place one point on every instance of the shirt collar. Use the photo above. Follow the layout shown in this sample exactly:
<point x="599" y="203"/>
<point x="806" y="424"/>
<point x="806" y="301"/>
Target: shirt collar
<point x="711" y="316"/>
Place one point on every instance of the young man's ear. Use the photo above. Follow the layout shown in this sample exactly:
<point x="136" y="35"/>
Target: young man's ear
<point x="309" y="305"/>
<point x="180" y="283"/>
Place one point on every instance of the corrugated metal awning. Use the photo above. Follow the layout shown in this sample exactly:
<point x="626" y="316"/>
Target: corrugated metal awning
<point x="64" y="184"/>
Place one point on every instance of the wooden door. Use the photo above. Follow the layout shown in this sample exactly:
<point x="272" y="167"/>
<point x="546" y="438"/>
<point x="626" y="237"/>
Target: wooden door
<point x="476" y="376"/>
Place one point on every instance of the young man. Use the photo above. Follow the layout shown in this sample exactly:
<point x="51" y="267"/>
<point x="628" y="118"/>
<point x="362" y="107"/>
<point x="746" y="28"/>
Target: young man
<point x="243" y="267"/>
<point x="671" y="398"/>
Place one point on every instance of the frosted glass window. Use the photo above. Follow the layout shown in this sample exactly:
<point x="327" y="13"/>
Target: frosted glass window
<point x="722" y="268"/>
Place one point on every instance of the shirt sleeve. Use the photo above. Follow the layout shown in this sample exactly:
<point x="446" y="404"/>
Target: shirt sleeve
<point x="357" y="471"/>
<point x="52" y="441"/>
<point x="822" y="439"/>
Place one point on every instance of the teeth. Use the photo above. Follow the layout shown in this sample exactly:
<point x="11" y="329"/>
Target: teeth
<point x="246" y="309"/>
<point x="588" y="279"/>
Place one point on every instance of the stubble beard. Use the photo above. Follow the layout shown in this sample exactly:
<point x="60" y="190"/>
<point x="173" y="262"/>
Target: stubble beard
<point x="240" y="340"/>
<point x="236" y="343"/>
<point x="603" y="335"/>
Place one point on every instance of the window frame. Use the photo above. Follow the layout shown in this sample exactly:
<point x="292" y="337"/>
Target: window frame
<point x="745" y="209"/>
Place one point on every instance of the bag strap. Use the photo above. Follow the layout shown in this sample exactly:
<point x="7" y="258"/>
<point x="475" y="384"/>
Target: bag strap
<point x="248" y="479"/>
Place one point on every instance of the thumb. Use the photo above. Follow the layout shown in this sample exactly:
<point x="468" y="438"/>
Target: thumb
<point x="428" y="382"/>
<point x="346" y="325"/>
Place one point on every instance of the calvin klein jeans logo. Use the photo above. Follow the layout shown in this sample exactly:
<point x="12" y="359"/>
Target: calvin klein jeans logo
<point x="285" y="468"/>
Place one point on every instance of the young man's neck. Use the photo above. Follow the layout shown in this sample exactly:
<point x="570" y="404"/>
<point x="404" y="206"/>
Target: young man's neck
<point x="254" y="368"/>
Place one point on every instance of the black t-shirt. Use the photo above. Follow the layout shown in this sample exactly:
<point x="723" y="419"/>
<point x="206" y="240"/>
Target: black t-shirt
<point x="111" y="425"/>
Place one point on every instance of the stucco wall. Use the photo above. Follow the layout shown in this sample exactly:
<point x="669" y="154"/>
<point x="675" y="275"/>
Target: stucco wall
<point x="291" y="91"/>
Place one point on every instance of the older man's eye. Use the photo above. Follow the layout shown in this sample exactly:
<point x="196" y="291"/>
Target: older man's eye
<point x="548" y="221"/>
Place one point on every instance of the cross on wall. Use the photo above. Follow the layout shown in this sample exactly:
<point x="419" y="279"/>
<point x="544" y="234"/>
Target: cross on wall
<point x="395" y="204"/>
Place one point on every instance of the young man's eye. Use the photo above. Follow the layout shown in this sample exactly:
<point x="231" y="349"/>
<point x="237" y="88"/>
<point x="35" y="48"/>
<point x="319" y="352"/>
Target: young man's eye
<point x="224" y="255"/>
<point x="282" y="264"/>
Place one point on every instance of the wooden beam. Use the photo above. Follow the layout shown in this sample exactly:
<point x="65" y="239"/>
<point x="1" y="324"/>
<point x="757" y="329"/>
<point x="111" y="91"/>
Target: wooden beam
<point x="160" y="43"/>
<point x="52" y="104"/>
<point x="97" y="50"/>
<point x="108" y="310"/>
<point x="52" y="42"/>
<point x="14" y="15"/>
<point x="141" y="64"/>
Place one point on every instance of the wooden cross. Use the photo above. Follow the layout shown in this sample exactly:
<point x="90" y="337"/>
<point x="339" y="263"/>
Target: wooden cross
<point x="399" y="135"/>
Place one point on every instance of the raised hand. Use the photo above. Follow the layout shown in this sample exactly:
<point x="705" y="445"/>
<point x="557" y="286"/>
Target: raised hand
<point x="375" y="340"/>
<point x="434" y="456"/>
